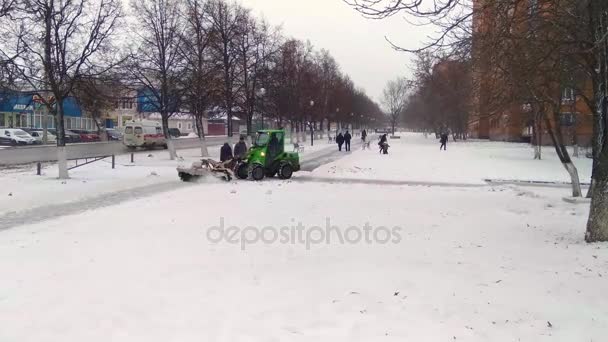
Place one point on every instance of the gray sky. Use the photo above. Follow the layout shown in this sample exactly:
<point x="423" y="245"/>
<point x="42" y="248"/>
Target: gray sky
<point x="357" y="43"/>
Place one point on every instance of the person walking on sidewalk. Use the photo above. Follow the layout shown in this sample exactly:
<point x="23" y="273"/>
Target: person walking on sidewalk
<point x="364" y="135"/>
<point x="444" y="141"/>
<point x="381" y="142"/>
<point x="340" y="141"/>
<point x="347" y="138"/>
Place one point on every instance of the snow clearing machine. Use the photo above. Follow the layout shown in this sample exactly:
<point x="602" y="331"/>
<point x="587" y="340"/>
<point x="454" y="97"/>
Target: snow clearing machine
<point x="266" y="158"/>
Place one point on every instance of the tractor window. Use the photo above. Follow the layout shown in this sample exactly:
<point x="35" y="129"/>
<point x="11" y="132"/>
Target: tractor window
<point x="262" y="139"/>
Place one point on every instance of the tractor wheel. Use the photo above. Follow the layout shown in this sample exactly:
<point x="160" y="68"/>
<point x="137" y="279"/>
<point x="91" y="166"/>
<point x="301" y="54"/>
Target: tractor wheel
<point x="256" y="172"/>
<point x="242" y="171"/>
<point x="285" y="171"/>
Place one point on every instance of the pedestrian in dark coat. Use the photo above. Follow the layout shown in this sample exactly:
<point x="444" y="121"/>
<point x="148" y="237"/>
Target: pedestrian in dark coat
<point x="240" y="149"/>
<point x="347" y="138"/>
<point x="444" y="142"/>
<point x="340" y="141"/>
<point x="383" y="139"/>
<point x="364" y="135"/>
<point x="225" y="153"/>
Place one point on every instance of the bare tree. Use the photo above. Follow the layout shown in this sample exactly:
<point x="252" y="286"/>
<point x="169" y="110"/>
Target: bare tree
<point x="201" y="79"/>
<point x="157" y="65"/>
<point x="227" y="20"/>
<point x="257" y="43"/>
<point x="97" y="95"/>
<point x="395" y="98"/>
<point x="59" y="43"/>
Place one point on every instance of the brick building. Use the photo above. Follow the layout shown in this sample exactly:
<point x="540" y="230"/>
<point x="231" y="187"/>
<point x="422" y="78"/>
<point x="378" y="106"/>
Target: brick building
<point x="497" y="115"/>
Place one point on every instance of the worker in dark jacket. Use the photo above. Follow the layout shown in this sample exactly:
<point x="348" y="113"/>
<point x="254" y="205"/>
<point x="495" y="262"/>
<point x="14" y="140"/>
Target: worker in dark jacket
<point x="240" y="149"/>
<point x="347" y="138"/>
<point x="225" y="153"/>
<point x="340" y="141"/>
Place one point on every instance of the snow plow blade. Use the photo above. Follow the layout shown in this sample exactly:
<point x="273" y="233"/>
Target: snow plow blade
<point x="205" y="168"/>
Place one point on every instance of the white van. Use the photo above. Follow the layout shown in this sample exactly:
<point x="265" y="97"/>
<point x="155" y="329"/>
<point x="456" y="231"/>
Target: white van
<point x="144" y="133"/>
<point x="15" y="136"/>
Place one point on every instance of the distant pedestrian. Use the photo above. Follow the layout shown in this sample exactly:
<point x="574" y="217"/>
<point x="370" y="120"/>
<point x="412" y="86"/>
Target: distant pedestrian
<point x="364" y="135"/>
<point x="225" y="153"/>
<point x="240" y="149"/>
<point x="444" y="141"/>
<point x="340" y="141"/>
<point x="347" y="138"/>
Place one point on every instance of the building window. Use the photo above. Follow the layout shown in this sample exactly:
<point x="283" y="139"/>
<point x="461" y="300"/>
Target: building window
<point x="189" y="126"/>
<point x="533" y="7"/>
<point x="568" y="95"/>
<point x="568" y="119"/>
<point x="179" y="125"/>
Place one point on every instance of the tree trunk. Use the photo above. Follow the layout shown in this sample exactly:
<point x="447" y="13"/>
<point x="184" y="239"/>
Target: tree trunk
<point x="576" y="185"/>
<point x="62" y="162"/>
<point x="200" y="130"/>
<point x="564" y="157"/>
<point x="597" y="225"/>
<point x="170" y="146"/>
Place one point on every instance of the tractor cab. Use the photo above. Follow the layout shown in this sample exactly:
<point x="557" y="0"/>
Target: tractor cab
<point x="267" y="157"/>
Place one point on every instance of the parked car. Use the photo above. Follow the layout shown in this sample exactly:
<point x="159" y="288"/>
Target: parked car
<point x="114" y="135"/>
<point x="175" y="133"/>
<point x="15" y="136"/>
<point x="33" y="134"/>
<point x="87" y="136"/>
<point x="70" y="137"/>
<point x="38" y="135"/>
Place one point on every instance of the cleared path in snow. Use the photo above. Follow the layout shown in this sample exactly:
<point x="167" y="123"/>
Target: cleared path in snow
<point x="47" y="212"/>
<point x="325" y="157"/>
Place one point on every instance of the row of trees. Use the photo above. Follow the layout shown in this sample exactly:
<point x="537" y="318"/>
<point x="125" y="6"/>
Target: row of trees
<point x="190" y="55"/>
<point x="440" y="100"/>
<point x="528" y="52"/>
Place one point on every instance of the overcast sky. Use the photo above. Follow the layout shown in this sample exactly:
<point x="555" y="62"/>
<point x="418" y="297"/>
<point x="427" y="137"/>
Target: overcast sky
<point x="357" y="43"/>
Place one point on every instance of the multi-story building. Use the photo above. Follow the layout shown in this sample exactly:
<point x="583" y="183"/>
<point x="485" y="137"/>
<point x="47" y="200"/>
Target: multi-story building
<point x="497" y="115"/>
<point x="19" y="110"/>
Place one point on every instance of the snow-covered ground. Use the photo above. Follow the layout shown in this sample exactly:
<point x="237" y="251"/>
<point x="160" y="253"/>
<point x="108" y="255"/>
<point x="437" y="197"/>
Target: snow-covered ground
<point x="416" y="158"/>
<point x="21" y="188"/>
<point x="485" y="263"/>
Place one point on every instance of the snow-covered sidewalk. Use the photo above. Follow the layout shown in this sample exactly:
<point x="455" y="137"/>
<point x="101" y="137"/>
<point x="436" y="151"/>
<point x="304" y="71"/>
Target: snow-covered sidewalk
<point x="23" y="190"/>
<point x="415" y="158"/>
<point x="490" y="263"/>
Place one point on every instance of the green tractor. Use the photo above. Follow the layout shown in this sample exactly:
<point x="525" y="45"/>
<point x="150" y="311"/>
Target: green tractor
<point x="267" y="158"/>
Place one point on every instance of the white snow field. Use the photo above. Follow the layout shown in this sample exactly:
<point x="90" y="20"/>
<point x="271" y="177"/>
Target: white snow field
<point x="416" y="158"/>
<point x="463" y="263"/>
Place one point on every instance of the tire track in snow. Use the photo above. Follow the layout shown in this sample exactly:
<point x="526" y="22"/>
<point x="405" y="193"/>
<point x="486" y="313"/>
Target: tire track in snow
<point x="47" y="212"/>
